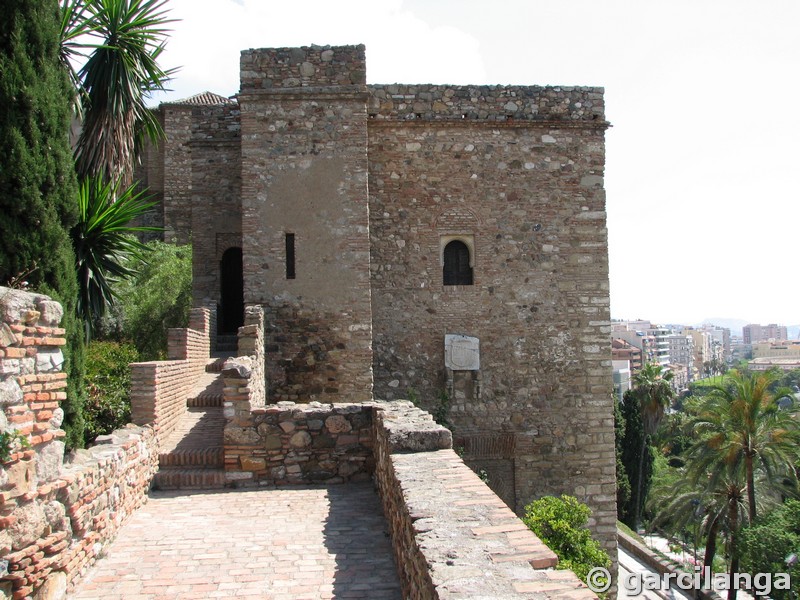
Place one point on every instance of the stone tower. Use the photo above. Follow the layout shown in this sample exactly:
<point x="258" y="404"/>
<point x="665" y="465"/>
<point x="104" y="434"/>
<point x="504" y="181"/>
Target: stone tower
<point x="443" y="242"/>
<point x="305" y="218"/>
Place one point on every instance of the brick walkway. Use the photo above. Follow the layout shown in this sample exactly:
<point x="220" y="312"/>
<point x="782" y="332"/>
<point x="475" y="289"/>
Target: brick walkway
<point x="283" y="544"/>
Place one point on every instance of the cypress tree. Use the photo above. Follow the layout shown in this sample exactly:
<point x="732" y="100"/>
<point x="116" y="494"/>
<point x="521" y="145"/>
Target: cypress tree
<point x="633" y="438"/>
<point x="37" y="180"/>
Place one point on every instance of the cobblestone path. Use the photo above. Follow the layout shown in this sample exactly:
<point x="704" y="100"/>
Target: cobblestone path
<point x="289" y="543"/>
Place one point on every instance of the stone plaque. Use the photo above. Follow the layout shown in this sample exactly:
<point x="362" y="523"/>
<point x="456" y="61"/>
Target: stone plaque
<point x="461" y="352"/>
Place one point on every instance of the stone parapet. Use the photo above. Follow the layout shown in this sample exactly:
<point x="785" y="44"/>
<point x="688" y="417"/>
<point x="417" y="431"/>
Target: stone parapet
<point x="493" y="103"/>
<point x="55" y="518"/>
<point x="159" y="388"/>
<point x="300" y="443"/>
<point x="452" y="536"/>
<point x="309" y="66"/>
<point x="57" y="534"/>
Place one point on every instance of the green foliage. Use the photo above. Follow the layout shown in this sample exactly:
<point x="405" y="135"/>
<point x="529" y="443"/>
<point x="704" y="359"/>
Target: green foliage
<point x="561" y="524"/>
<point x="623" y="481"/>
<point x="635" y="465"/>
<point x="157" y="298"/>
<point x="126" y="38"/>
<point x="104" y="247"/>
<point x="37" y="183"/>
<point x="441" y="410"/>
<point x="740" y="425"/>
<point x="37" y="178"/>
<point x="766" y="544"/>
<point x="10" y="442"/>
<point x="108" y="382"/>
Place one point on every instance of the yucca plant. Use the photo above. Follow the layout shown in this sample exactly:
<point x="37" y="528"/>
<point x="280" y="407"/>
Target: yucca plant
<point x="104" y="243"/>
<point x="125" y="39"/>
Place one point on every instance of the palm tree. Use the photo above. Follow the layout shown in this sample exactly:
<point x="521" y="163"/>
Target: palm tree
<point x="719" y="504"/>
<point x="113" y="84"/>
<point x="120" y="42"/>
<point x="740" y="423"/>
<point x="652" y="389"/>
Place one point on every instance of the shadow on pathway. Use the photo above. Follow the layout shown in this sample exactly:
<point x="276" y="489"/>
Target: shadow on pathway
<point x="290" y="543"/>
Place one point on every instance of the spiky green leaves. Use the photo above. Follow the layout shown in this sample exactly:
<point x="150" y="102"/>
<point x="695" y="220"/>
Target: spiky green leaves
<point x="104" y="244"/>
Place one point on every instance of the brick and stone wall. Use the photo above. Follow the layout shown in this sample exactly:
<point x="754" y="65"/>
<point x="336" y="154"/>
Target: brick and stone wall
<point x="451" y="535"/>
<point x="55" y="518"/>
<point x="177" y="169"/>
<point x="159" y="388"/>
<point x="304" y="173"/>
<point x="518" y="173"/>
<point x="494" y="103"/>
<point x="216" y="196"/>
<point x="372" y="181"/>
<point x="300" y="443"/>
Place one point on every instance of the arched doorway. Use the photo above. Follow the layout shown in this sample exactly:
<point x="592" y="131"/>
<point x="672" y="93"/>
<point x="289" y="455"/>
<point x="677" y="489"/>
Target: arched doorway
<point x="231" y="308"/>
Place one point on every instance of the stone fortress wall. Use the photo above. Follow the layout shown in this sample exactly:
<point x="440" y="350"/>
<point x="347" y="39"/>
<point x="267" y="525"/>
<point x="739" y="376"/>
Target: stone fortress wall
<point x="372" y="181"/>
<point x="451" y="536"/>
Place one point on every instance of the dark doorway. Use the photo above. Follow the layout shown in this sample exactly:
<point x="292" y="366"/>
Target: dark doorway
<point x="457" y="270"/>
<point x="231" y="309"/>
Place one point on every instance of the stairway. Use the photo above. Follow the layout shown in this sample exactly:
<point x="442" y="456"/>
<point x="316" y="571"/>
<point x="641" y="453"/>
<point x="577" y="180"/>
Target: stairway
<point x="192" y="456"/>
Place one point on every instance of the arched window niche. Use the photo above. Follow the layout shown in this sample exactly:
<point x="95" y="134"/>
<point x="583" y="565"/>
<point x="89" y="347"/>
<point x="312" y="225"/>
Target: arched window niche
<point x="458" y="259"/>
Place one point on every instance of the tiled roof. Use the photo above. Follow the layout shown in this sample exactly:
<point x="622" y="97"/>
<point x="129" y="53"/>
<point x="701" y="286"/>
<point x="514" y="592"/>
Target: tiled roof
<point x="204" y="99"/>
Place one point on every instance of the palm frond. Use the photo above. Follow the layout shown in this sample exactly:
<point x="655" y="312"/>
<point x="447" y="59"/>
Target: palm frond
<point x="104" y="243"/>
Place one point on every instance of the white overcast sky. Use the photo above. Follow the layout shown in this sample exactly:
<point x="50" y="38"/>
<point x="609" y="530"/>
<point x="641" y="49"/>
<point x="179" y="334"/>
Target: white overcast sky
<point x="704" y="98"/>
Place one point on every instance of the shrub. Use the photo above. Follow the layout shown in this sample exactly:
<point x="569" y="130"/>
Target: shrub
<point x="158" y="298"/>
<point x="37" y="177"/>
<point x="766" y="544"/>
<point x="561" y="524"/>
<point x="108" y="383"/>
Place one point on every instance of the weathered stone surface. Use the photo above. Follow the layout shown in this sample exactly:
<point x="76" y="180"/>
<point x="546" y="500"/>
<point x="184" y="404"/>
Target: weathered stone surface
<point x="301" y="439"/>
<point x="54" y="588"/>
<point x="58" y="418"/>
<point x="7" y="337"/>
<point x="338" y="424"/>
<point x="240" y="367"/>
<point x="51" y="312"/>
<point x="56" y="515"/>
<point x="287" y="426"/>
<point x="29" y="525"/>
<point x="21" y="477"/>
<point x="252" y="464"/>
<point x="49" y="459"/>
<point x="10" y="392"/>
<point x="273" y="442"/>
<point x="240" y="435"/>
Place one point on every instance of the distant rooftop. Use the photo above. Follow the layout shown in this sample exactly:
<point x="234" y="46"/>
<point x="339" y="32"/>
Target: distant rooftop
<point x="204" y="99"/>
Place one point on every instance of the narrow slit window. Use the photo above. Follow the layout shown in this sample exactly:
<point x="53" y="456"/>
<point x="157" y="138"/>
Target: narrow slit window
<point x="457" y="269"/>
<point x="290" y="271"/>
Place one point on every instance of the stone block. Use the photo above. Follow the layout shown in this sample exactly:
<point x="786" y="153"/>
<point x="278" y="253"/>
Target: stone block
<point x="338" y="424"/>
<point x="49" y="459"/>
<point x="29" y="525"/>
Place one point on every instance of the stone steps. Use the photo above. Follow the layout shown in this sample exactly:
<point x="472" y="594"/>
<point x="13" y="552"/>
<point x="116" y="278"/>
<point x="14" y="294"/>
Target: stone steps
<point x="189" y="478"/>
<point x="192" y="457"/>
<point x="227" y="343"/>
<point x="212" y="457"/>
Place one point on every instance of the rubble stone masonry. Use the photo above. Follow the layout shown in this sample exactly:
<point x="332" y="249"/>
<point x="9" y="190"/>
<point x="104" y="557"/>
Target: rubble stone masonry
<point x="349" y="195"/>
<point x="305" y="220"/>
<point x="55" y="517"/>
